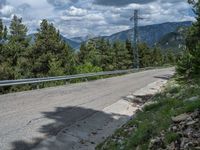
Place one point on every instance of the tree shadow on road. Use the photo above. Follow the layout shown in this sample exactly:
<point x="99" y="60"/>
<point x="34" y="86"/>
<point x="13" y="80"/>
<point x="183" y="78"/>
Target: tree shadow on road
<point x="61" y="118"/>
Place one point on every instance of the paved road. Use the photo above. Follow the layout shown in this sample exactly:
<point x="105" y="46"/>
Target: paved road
<point x="26" y="118"/>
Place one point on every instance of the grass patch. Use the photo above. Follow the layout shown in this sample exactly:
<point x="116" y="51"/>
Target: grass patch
<point x="170" y="137"/>
<point x="156" y="118"/>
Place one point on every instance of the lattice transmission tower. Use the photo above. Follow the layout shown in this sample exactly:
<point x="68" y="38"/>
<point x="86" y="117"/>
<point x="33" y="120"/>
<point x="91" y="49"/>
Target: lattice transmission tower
<point x="135" y="39"/>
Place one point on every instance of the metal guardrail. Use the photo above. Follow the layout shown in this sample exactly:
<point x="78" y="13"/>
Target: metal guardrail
<point x="4" y="83"/>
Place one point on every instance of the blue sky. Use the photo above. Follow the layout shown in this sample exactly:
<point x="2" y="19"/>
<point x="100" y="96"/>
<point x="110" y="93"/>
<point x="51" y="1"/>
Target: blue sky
<point x="94" y="17"/>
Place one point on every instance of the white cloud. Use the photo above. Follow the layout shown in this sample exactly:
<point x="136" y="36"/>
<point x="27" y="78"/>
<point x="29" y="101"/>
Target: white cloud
<point x="74" y="11"/>
<point x="7" y="10"/>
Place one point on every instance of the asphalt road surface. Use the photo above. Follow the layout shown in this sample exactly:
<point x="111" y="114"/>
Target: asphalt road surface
<point x="27" y="118"/>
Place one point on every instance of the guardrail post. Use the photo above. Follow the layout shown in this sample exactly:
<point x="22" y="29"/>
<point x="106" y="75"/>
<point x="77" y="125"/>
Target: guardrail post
<point x="38" y="86"/>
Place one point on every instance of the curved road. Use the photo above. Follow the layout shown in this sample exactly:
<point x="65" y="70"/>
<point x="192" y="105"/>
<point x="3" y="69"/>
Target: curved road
<point x="26" y="118"/>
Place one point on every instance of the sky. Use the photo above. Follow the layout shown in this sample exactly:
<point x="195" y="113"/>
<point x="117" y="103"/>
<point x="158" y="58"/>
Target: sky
<point x="76" y="18"/>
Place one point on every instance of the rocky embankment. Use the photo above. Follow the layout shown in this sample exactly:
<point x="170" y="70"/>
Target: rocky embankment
<point x="186" y="129"/>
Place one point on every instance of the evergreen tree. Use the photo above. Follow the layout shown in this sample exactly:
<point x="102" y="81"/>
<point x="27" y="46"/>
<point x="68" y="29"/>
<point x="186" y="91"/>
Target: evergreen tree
<point x="68" y="58"/>
<point x="191" y="66"/>
<point x="82" y="53"/>
<point x="1" y="41"/>
<point x="105" y="54"/>
<point x="89" y="53"/>
<point x="54" y="67"/>
<point x="123" y="58"/>
<point x="156" y="57"/>
<point x="112" y="58"/>
<point x="184" y="64"/>
<point x="16" y="50"/>
<point x="144" y="55"/>
<point x="193" y="41"/>
<point x="5" y="32"/>
<point x="130" y="50"/>
<point x="171" y="58"/>
<point x="1" y="30"/>
<point x="4" y="73"/>
<point x="50" y="47"/>
<point x="193" y="37"/>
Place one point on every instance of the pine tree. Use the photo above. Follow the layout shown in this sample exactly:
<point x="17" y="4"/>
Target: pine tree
<point x="123" y="58"/>
<point x="68" y="58"/>
<point x="184" y="65"/>
<point x="48" y="45"/>
<point x="1" y="41"/>
<point x="156" y="57"/>
<point x="1" y="30"/>
<point x="171" y="58"/>
<point x="15" y="51"/>
<point x="194" y="33"/>
<point x="144" y="55"/>
<point x="89" y="53"/>
<point x="104" y="49"/>
<point x="3" y="66"/>
<point x="112" y="58"/>
<point x="130" y="50"/>
<point x="18" y="31"/>
<point x="5" y="33"/>
<point x="54" y="67"/>
<point x="193" y="41"/>
<point x="82" y="53"/>
<point x="191" y="66"/>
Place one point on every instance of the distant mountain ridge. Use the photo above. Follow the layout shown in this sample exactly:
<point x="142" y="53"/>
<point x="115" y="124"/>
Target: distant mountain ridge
<point x="150" y="34"/>
<point x="72" y="43"/>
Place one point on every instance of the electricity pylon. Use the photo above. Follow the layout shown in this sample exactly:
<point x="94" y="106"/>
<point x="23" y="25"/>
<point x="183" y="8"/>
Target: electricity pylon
<point x="135" y="39"/>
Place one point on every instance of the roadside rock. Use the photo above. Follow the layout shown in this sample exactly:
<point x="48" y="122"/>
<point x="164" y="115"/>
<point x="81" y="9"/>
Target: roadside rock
<point x="129" y="98"/>
<point x="191" y="123"/>
<point x="180" y="118"/>
<point x="188" y="127"/>
<point x="156" y="143"/>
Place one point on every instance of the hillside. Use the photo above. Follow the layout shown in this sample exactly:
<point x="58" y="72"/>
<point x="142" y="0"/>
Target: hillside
<point x="174" y="40"/>
<point x="150" y="34"/>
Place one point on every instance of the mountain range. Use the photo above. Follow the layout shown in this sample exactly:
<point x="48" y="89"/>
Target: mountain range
<point x="150" y="34"/>
<point x="155" y="34"/>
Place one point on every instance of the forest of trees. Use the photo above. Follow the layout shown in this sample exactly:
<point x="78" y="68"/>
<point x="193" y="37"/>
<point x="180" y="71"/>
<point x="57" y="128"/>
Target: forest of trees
<point x="49" y="55"/>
